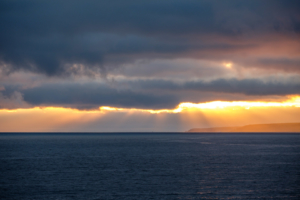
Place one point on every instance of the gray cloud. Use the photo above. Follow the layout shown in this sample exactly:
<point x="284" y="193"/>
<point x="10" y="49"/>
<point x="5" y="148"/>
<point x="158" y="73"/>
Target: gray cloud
<point x="88" y="96"/>
<point x="244" y="86"/>
<point x="283" y="64"/>
<point x="159" y="53"/>
<point x="150" y="94"/>
<point x="48" y="36"/>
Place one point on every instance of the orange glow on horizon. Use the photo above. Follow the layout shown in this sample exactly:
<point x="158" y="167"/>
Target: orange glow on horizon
<point x="185" y="106"/>
<point x="213" y="105"/>
<point x="185" y="116"/>
<point x="293" y="102"/>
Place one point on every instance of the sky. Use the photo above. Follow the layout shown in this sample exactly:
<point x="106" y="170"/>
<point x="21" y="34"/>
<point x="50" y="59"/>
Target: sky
<point x="159" y="65"/>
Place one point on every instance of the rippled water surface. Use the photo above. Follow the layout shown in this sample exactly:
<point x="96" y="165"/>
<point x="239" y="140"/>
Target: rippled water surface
<point x="149" y="166"/>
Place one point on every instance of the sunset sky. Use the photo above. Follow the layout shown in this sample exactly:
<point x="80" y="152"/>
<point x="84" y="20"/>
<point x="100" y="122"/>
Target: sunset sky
<point x="159" y="65"/>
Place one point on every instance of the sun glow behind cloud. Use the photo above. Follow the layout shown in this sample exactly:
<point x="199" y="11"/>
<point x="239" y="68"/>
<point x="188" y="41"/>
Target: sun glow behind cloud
<point x="186" y="106"/>
<point x="228" y="65"/>
<point x="183" y="117"/>
<point x="293" y="102"/>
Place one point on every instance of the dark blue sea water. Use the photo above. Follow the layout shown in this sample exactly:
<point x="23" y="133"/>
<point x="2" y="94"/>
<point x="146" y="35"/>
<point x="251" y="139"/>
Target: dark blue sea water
<point x="149" y="166"/>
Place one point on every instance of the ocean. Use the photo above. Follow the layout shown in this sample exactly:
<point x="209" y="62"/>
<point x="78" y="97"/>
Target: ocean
<point x="61" y="166"/>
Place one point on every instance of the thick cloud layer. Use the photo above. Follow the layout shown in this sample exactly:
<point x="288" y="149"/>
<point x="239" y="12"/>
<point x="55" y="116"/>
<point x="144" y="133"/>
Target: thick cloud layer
<point x="50" y="36"/>
<point x="147" y="54"/>
<point x="146" y="94"/>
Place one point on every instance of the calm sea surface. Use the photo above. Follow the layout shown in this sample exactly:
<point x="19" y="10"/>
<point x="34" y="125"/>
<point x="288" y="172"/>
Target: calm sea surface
<point x="149" y="166"/>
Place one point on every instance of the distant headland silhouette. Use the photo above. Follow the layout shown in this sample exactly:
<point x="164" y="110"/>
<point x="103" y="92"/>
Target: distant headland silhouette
<point x="277" y="127"/>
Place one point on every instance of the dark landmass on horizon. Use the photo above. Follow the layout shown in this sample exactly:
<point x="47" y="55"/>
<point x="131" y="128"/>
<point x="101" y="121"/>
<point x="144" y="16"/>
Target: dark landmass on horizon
<point x="278" y="127"/>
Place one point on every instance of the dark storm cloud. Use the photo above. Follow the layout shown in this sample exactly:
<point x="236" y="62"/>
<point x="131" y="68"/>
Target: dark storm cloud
<point x="147" y="94"/>
<point x="244" y="86"/>
<point x="48" y="36"/>
<point x="88" y="96"/>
